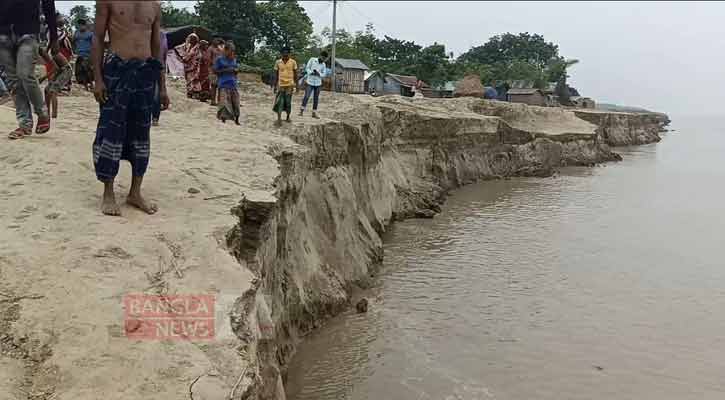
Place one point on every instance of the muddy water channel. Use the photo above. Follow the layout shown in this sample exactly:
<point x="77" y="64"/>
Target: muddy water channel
<point x="599" y="283"/>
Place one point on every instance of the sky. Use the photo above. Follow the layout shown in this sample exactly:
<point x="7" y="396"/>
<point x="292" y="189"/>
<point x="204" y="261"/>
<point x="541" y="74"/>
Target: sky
<point x="649" y="54"/>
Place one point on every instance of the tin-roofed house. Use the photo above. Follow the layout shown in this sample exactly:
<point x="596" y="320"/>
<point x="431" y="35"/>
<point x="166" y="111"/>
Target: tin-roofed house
<point x="404" y="85"/>
<point x="375" y="83"/>
<point x="350" y="75"/>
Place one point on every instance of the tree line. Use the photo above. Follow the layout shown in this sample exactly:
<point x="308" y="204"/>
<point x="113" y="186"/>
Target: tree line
<point x="261" y="29"/>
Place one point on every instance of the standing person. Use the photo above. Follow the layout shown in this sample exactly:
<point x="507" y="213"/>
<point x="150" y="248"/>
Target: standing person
<point x="65" y="44"/>
<point x="226" y="68"/>
<point x="59" y="74"/>
<point x="157" y="90"/>
<point x="19" y="43"/>
<point x="315" y="70"/>
<point x="216" y="51"/>
<point x="285" y="79"/>
<point x="82" y="41"/>
<point x="124" y="88"/>
<point x="189" y="54"/>
<point x="204" y="71"/>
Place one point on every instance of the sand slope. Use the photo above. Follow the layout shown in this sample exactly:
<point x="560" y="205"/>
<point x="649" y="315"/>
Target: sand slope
<point x="64" y="267"/>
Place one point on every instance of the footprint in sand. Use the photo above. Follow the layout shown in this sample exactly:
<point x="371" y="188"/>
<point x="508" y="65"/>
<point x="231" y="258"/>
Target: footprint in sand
<point x="26" y="213"/>
<point x="113" y="252"/>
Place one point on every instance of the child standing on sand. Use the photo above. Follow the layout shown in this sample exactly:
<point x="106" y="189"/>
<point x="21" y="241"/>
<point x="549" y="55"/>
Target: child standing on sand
<point x="226" y="69"/>
<point x="59" y="75"/>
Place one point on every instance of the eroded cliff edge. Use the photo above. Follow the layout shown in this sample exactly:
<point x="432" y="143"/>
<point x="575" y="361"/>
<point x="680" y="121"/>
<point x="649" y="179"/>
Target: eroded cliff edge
<point x="382" y="161"/>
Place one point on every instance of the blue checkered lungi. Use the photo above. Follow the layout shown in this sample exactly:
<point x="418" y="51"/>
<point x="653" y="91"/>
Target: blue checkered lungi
<point x="125" y="120"/>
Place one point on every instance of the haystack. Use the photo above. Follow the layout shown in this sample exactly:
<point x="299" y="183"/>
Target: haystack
<point x="470" y="86"/>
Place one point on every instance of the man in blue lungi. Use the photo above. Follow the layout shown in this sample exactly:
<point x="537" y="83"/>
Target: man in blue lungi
<point x="125" y="82"/>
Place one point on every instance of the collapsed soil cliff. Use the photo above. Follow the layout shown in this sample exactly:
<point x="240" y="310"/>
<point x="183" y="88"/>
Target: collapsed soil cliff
<point x="390" y="159"/>
<point x="624" y="129"/>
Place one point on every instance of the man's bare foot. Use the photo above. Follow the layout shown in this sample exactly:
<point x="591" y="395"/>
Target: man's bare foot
<point x="141" y="203"/>
<point x="109" y="207"/>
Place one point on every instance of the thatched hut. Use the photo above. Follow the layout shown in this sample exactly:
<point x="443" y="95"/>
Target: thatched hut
<point x="470" y="86"/>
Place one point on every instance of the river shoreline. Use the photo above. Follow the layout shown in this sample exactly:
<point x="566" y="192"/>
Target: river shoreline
<point x="390" y="160"/>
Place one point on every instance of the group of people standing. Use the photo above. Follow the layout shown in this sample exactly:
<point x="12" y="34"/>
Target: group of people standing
<point x="210" y="72"/>
<point x="286" y="81"/>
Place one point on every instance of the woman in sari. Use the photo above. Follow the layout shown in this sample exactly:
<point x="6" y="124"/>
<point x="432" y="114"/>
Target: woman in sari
<point x="189" y="55"/>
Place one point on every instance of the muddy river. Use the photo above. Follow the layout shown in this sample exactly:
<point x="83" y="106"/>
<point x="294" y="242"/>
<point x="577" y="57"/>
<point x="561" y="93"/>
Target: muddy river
<point x="599" y="283"/>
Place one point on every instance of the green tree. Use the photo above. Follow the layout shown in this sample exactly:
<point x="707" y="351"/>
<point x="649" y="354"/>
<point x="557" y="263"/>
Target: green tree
<point x="78" y="13"/>
<point x="239" y="19"/>
<point x="458" y="70"/>
<point x="359" y="45"/>
<point x="172" y="16"/>
<point x="265" y="57"/>
<point x="556" y="70"/>
<point x="520" y="57"/>
<point x="508" y="48"/>
<point x="433" y="65"/>
<point x="284" y="24"/>
<point x="398" y="56"/>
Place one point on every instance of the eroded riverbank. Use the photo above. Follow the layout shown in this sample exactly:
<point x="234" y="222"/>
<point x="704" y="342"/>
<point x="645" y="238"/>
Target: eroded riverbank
<point x="389" y="160"/>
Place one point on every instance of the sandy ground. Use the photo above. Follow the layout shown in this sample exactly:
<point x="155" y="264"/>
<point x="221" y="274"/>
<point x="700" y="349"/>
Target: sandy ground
<point x="64" y="267"/>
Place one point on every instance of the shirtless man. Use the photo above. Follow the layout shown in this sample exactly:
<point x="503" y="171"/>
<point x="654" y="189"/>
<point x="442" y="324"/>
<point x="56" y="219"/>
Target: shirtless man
<point x="124" y="87"/>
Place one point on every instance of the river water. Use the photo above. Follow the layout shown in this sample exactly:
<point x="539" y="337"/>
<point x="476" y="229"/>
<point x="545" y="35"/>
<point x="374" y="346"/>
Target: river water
<point x="600" y="283"/>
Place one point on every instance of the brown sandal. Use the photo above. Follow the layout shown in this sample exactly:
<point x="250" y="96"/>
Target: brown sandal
<point x="18" y="134"/>
<point x="43" y="127"/>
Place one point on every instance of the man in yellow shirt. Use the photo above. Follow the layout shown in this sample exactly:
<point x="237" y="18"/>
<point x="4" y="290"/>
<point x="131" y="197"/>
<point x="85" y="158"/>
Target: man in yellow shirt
<point x="285" y="79"/>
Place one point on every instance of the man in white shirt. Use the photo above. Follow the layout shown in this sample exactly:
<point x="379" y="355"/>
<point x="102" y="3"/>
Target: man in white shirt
<point x="316" y="70"/>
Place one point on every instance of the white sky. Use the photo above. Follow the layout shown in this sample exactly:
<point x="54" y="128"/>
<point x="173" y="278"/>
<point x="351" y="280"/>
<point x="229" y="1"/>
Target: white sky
<point x="666" y="56"/>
